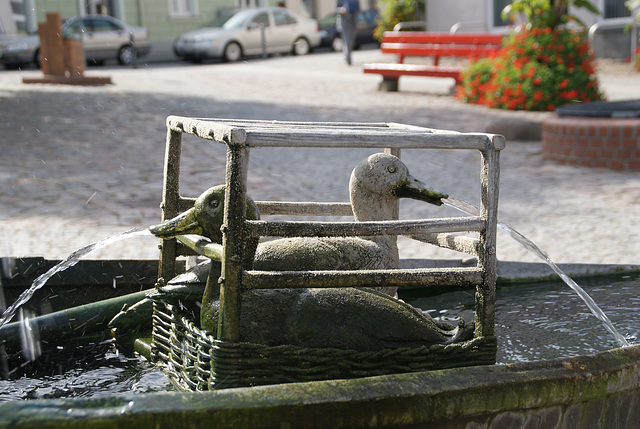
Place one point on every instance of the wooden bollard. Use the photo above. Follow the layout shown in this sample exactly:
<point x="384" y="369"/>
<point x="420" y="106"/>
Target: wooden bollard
<point x="74" y="58"/>
<point x="55" y="45"/>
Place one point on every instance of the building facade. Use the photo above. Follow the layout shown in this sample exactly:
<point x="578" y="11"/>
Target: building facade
<point x="166" y="19"/>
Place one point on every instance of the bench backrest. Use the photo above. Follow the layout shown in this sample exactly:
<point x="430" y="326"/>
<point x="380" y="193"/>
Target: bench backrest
<point x="442" y="38"/>
<point x="424" y="43"/>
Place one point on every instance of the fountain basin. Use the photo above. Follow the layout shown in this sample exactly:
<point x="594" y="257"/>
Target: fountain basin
<point x="599" y="134"/>
<point x="591" y="391"/>
<point x="567" y="392"/>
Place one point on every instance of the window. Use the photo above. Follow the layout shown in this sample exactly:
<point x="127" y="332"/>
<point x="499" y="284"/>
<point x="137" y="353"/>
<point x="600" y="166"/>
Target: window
<point x="498" y="5"/>
<point x="283" y="18"/>
<point x="183" y="7"/>
<point x="261" y="19"/>
<point x="97" y="25"/>
<point x="615" y="9"/>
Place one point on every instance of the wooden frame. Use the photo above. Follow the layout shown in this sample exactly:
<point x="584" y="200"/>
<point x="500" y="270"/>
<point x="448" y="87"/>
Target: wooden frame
<point x="241" y="135"/>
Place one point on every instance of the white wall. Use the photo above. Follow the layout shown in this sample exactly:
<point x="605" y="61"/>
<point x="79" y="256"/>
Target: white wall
<point x="7" y="25"/>
<point x="442" y="15"/>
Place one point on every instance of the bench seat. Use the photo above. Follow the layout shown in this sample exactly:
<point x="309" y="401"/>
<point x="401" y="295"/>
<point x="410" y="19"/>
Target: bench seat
<point x="392" y="71"/>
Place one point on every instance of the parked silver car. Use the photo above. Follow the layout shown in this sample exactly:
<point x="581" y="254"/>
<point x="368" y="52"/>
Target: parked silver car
<point x="248" y="32"/>
<point x="103" y="38"/>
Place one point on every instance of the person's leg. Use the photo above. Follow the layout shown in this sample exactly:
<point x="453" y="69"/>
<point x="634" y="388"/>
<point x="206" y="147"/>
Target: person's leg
<point x="348" y="35"/>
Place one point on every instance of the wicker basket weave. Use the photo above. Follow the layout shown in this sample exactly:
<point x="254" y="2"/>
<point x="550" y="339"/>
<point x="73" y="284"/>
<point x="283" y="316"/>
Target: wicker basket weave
<point x="195" y="360"/>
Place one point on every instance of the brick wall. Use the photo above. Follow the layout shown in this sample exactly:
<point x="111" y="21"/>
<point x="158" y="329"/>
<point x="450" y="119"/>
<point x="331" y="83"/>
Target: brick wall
<point x="592" y="142"/>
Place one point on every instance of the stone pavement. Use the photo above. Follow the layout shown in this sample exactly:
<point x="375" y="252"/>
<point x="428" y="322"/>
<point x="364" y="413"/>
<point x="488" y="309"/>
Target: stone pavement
<point x="81" y="163"/>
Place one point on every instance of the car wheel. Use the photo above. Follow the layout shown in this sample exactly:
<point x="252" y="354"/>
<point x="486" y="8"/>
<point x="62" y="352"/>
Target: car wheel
<point x="336" y="44"/>
<point x="126" y="55"/>
<point x="232" y="52"/>
<point x="301" y="47"/>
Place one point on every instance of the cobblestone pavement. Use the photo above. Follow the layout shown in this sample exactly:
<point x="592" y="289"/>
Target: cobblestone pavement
<point x="81" y="163"/>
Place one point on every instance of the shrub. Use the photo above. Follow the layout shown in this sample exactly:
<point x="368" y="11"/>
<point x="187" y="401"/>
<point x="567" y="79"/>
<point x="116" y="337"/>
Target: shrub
<point x="537" y="69"/>
<point x="393" y="12"/>
<point x="547" y="13"/>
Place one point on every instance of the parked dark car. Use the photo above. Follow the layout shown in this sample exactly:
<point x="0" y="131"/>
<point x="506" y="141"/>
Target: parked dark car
<point x="330" y="36"/>
<point x="103" y="38"/>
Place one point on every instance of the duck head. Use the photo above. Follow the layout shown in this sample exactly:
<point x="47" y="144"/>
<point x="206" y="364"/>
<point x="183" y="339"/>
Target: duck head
<point x="205" y="218"/>
<point x="379" y="181"/>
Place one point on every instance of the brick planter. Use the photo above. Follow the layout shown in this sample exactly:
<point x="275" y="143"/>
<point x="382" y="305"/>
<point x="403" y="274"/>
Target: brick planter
<point x="592" y="142"/>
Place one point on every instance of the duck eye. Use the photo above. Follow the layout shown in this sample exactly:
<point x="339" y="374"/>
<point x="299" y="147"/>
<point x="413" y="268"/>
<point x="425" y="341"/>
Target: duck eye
<point x="214" y="203"/>
<point x="392" y="169"/>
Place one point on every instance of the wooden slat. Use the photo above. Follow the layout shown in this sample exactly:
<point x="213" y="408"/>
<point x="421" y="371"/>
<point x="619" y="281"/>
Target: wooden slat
<point x="355" y="229"/>
<point x="427" y="50"/>
<point x="261" y="134"/>
<point x="432" y="37"/>
<point x="396" y="70"/>
<point x="467" y="276"/>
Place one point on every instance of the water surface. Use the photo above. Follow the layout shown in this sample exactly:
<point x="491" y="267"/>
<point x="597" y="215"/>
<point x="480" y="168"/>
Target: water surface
<point x="534" y="321"/>
<point x="539" y="321"/>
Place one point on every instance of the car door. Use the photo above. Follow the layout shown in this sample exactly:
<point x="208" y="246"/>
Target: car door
<point x="103" y="38"/>
<point x="253" y="34"/>
<point x="284" y="30"/>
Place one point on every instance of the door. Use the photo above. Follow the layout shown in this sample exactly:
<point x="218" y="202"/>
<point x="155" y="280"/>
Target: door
<point x="103" y="38"/>
<point x="284" y="30"/>
<point x="254" y="33"/>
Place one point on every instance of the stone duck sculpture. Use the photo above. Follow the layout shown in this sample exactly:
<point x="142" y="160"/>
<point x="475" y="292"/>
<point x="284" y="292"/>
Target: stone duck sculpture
<point x="375" y="186"/>
<point x="351" y="318"/>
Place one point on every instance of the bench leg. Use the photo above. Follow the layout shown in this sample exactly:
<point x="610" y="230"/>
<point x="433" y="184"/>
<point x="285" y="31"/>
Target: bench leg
<point x="389" y="84"/>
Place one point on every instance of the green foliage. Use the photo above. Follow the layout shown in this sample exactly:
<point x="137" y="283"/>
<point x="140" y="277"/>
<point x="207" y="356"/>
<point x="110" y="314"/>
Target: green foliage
<point x="547" y="13"/>
<point x="537" y="69"/>
<point x="393" y="12"/>
<point x="634" y="7"/>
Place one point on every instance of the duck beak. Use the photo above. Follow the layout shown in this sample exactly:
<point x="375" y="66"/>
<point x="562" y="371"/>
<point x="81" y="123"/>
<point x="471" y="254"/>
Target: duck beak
<point x="185" y="223"/>
<point x="413" y="188"/>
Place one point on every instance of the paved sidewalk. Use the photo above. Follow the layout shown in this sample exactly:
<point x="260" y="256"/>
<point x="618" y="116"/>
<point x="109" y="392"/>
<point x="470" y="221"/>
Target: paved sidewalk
<point x="81" y="163"/>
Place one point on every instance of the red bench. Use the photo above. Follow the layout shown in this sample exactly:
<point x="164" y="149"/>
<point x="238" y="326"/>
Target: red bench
<point x="428" y="44"/>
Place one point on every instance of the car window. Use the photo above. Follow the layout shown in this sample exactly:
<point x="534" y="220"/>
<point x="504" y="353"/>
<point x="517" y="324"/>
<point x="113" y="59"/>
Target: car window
<point x="367" y="16"/>
<point x="73" y="28"/>
<point x="261" y="18"/>
<point x="100" y="25"/>
<point x="283" y="18"/>
<point x="328" y="21"/>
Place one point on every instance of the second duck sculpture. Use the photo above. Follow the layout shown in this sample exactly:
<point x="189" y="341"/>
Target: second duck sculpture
<point x="351" y="318"/>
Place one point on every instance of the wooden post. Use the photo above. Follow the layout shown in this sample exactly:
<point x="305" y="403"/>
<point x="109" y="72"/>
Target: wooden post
<point x="233" y="241"/>
<point x="487" y="259"/>
<point x="74" y="58"/>
<point x="55" y="45"/>
<point x="44" y="48"/>
<point x="170" y="201"/>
